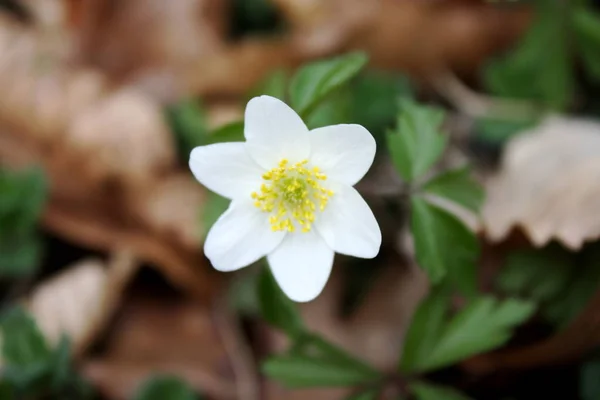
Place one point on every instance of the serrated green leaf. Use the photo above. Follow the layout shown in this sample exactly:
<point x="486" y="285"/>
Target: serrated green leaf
<point x="427" y="391"/>
<point x="586" y="25"/>
<point x="458" y="186"/>
<point x="443" y="245"/>
<point x="417" y="143"/>
<point x="315" y="81"/>
<point x="530" y="71"/>
<point x="231" y="132"/>
<point x="425" y="329"/>
<point x="304" y="371"/>
<point x="483" y="325"/>
<point x="22" y="343"/>
<point x="589" y="380"/>
<point x="189" y="124"/>
<point x="276" y="308"/>
<point x="215" y="207"/>
<point x="165" y="388"/>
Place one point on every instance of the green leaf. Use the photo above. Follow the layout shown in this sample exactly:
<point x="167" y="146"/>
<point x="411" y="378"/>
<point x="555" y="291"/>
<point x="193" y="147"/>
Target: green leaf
<point x="425" y="329"/>
<point x="427" y="391"/>
<point x="315" y="81"/>
<point x="276" y="308"/>
<point x="483" y="325"/>
<point x="22" y="343"/>
<point x="7" y="391"/>
<point x="305" y="371"/>
<point x="189" y="123"/>
<point x="497" y="131"/>
<point x="215" y="206"/>
<point x="165" y="388"/>
<point x="589" y="380"/>
<point x="443" y="245"/>
<point x="586" y="25"/>
<point x="417" y="142"/>
<point x="19" y="255"/>
<point x="232" y="132"/>
<point x="274" y="85"/>
<point x="532" y="72"/>
<point x="370" y="394"/>
<point x="458" y="186"/>
<point x="334" y="110"/>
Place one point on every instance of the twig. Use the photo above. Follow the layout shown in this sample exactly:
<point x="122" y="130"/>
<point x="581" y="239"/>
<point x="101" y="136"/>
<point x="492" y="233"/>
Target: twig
<point x="238" y="350"/>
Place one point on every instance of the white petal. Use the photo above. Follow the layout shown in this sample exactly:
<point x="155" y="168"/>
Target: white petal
<point x="226" y="169"/>
<point x="301" y="265"/>
<point x="241" y="236"/>
<point x="343" y="152"/>
<point x="348" y="225"/>
<point x="274" y="131"/>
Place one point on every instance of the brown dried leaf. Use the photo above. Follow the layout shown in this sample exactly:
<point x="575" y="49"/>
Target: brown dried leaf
<point x="161" y="334"/>
<point x="547" y="185"/>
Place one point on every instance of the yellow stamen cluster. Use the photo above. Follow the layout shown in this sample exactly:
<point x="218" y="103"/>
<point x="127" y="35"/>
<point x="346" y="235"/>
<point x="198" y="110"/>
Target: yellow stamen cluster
<point x="292" y="194"/>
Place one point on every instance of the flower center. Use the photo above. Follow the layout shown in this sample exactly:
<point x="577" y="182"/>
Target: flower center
<point x="292" y="194"/>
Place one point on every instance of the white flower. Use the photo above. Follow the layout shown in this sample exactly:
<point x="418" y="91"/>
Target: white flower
<point x="292" y="197"/>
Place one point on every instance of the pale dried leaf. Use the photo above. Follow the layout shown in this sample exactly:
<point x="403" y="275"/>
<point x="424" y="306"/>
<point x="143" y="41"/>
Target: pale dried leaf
<point x="548" y="185"/>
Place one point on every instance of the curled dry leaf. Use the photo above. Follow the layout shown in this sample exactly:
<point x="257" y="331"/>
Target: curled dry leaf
<point x="548" y="185"/>
<point x="162" y="334"/>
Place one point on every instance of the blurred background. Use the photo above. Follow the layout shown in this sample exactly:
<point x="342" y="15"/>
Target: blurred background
<point x="105" y="291"/>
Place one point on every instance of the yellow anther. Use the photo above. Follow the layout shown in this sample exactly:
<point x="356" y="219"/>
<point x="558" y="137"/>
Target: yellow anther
<point x="291" y="194"/>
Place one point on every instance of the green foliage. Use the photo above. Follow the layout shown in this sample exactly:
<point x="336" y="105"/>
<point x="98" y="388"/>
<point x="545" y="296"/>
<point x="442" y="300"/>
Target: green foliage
<point x="443" y="245"/>
<point x="306" y="371"/>
<point x="498" y="131"/>
<point x="427" y="391"/>
<point x="417" y="142"/>
<point x="31" y="366"/>
<point x="370" y="394"/>
<point x="586" y="27"/>
<point x="163" y="387"/>
<point x="274" y="85"/>
<point x="541" y="67"/>
<point x="215" y="206"/>
<point x="276" y="307"/>
<point x="458" y="186"/>
<point x="189" y="124"/>
<point x="589" y="380"/>
<point x="22" y="198"/>
<point x="231" y="132"/>
<point x="436" y="340"/>
<point x="315" y="81"/>
<point x="561" y="282"/>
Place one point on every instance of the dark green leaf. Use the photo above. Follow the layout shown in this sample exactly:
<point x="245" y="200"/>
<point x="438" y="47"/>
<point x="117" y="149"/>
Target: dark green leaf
<point x="417" y="142"/>
<point x="215" y="206"/>
<point x="232" y="132"/>
<point x="458" y="186"/>
<point x="483" y="325"/>
<point x="498" y="131"/>
<point x="276" y="307"/>
<point x="315" y="81"/>
<point x="188" y="122"/>
<point x="165" y="388"/>
<point x="370" y="394"/>
<point x="589" y="381"/>
<point x="22" y="343"/>
<point x="427" y="391"/>
<point x="274" y="85"/>
<point x="332" y="111"/>
<point x="304" y="371"/>
<point x="7" y="390"/>
<point x="425" y="329"/>
<point x="19" y="255"/>
<point x="587" y="32"/>
<point x="533" y="72"/>
<point x="444" y="245"/>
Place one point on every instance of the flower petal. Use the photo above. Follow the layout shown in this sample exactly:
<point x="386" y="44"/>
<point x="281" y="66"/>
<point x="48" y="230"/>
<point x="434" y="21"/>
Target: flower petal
<point x="274" y="131"/>
<point x="348" y="225"/>
<point x="241" y="236"/>
<point x="226" y="169"/>
<point x="343" y="152"/>
<point x="301" y="265"/>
